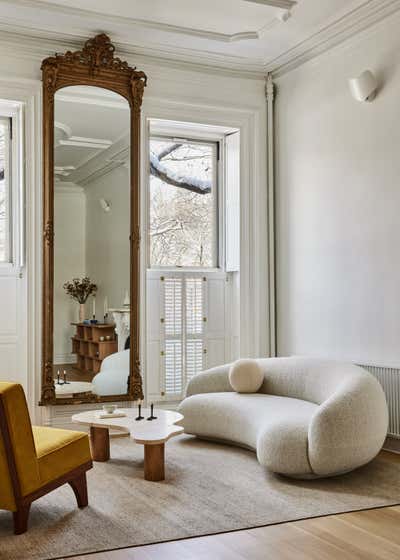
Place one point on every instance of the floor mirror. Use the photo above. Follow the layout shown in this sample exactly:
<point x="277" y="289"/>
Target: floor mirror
<point x="91" y="141"/>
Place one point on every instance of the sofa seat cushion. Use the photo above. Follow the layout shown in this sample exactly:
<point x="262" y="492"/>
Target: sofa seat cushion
<point x="59" y="451"/>
<point x="276" y="427"/>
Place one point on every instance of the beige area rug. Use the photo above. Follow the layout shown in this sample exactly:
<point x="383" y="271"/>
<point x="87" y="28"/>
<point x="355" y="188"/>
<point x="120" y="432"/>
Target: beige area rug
<point x="210" y="488"/>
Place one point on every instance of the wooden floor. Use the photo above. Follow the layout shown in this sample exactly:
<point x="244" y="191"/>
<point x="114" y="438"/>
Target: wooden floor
<point x="369" y="535"/>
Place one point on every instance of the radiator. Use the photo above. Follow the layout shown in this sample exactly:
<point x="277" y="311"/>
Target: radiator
<point x="389" y="378"/>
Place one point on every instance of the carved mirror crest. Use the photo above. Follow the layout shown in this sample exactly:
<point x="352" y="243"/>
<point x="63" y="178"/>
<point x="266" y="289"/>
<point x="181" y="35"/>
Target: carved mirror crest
<point x="91" y="234"/>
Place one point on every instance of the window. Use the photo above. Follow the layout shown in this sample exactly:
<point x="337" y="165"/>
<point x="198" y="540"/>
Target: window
<point x="183" y="203"/>
<point x="5" y="190"/>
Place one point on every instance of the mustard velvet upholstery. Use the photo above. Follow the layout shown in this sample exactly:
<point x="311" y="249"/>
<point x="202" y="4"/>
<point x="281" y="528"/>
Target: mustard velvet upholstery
<point x="59" y="451"/>
<point x="19" y="425"/>
<point x="41" y="454"/>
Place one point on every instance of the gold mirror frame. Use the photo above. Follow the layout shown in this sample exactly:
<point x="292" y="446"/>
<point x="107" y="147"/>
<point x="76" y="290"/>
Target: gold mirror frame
<point x="94" y="65"/>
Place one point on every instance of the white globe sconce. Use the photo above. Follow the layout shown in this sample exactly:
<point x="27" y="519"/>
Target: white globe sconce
<point x="364" y="87"/>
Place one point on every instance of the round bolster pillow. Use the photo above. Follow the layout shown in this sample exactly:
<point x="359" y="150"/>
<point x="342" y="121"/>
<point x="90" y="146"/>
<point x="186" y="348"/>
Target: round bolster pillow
<point x="245" y="376"/>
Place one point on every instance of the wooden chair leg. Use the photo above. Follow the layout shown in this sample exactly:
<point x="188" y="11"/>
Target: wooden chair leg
<point x="21" y="517"/>
<point x="79" y="486"/>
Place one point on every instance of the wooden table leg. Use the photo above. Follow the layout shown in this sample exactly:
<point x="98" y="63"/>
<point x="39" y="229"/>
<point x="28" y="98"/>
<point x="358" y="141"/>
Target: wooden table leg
<point x="100" y="443"/>
<point x="154" y="462"/>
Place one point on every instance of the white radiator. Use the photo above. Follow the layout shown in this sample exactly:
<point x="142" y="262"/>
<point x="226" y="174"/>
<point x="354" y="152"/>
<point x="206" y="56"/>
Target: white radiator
<point x="389" y="378"/>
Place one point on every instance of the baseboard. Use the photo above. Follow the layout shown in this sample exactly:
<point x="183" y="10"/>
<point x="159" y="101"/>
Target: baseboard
<point x="392" y="444"/>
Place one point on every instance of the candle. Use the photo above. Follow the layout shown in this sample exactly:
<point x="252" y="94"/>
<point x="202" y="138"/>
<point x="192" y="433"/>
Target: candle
<point x="105" y="306"/>
<point x="94" y="306"/>
<point x="126" y="299"/>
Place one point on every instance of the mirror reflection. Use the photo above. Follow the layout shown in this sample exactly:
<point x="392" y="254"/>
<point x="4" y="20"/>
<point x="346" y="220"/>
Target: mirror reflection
<point x="91" y="243"/>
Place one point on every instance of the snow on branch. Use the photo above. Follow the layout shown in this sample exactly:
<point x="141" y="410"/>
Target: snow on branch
<point x="160" y="170"/>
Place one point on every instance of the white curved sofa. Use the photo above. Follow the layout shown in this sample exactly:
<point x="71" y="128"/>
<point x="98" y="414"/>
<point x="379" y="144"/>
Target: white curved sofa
<point x="310" y="418"/>
<point x="113" y="376"/>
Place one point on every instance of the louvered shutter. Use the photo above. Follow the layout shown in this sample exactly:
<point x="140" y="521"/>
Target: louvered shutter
<point x="191" y="325"/>
<point x="155" y="360"/>
<point x="194" y="327"/>
<point x="172" y="321"/>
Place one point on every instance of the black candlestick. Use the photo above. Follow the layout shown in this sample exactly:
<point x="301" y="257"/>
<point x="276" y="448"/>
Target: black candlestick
<point x="139" y="416"/>
<point x="65" y="379"/>
<point x="58" y="378"/>
<point x="152" y="417"/>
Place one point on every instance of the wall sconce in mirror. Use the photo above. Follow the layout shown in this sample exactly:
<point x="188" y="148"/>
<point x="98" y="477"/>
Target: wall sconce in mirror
<point x="364" y="87"/>
<point x="106" y="206"/>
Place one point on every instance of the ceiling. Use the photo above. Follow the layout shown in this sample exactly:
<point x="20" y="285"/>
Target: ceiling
<point x="89" y="122"/>
<point x="246" y="35"/>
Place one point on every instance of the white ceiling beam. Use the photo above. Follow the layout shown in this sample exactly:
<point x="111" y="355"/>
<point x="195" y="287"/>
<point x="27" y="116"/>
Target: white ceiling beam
<point x="284" y="4"/>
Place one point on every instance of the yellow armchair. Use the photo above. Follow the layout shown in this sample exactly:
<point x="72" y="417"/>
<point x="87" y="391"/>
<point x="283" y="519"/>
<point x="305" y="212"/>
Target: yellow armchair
<point x="35" y="460"/>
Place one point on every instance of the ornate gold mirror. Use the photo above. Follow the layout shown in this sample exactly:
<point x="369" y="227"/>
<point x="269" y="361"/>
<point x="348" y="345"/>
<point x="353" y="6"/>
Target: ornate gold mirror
<point x="91" y="140"/>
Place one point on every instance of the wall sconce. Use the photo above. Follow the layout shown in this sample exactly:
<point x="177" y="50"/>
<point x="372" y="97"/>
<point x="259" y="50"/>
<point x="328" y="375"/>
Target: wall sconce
<point x="364" y="87"/>
<point x="106" y="206"/>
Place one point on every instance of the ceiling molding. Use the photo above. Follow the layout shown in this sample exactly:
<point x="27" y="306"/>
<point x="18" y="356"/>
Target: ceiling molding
<point x="343" y="29"/>
<point x="63" y="170"/>
<point x="97" y="100"/>
<point x="27" y="42"/>
<point x="68" y="187"/>
<point x="96" y="18"/>
<point x="284" y="4"/>
<point x="83" y="142"/>
<point x="102" y="162"/>
<point x="33" y="44"/>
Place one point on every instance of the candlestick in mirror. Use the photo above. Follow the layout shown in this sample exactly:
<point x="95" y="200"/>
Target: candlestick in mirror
<point x="152" y="417"/>
<point x="65" y="379"/>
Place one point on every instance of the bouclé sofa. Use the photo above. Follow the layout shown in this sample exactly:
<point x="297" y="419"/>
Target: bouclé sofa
<point x="310" y="418"/>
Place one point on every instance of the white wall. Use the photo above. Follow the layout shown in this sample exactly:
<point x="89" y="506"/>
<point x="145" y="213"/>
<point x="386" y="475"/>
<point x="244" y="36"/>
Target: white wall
<point x="338" y="204"/>
<point x="107" y="234"/>
<point x="69" y="263"/>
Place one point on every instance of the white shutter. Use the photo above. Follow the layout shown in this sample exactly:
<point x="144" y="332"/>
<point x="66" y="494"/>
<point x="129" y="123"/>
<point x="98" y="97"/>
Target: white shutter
<point x="154" y="361"/>
<point x="217" y="311"/>
<point x="195" y="321"/>
<point x="232" y="202"/>
<point x="186" y="329"/>
<point x="173" y="331"/>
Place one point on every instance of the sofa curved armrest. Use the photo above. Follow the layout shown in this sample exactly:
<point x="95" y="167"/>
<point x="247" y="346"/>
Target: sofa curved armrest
<point x="118" y="360"/>
<point x="349" y="428"/>
<point x="214" y="380"/>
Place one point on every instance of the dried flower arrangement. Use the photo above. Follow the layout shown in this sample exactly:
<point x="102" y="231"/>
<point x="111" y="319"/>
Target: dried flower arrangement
<point x="80" y="289"/>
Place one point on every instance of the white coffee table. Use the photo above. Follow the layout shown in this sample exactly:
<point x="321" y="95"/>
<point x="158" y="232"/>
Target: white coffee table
<point x="153" y="434"/>
<point x="72" y="388"/>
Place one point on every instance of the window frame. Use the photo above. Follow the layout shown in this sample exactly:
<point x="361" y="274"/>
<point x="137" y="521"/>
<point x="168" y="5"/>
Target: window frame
<point x="218" y="256"/>
<point x="13" y="111"/>
<point x="8" y="178"/>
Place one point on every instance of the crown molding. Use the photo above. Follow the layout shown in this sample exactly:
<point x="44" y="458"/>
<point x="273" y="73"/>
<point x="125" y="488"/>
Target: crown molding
<point x="284" y="4"/>
<point x="103" y="162"/>
<point x="33" y="44"/>
<point x="99" y="18"/>
<point x="347" y="27"/>
<point x="68" y="187"/>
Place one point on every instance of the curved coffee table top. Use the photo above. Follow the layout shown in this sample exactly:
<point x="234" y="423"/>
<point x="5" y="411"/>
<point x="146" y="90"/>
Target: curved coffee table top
<point x="73" y="388"/>
<point x="147" y="432"/>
